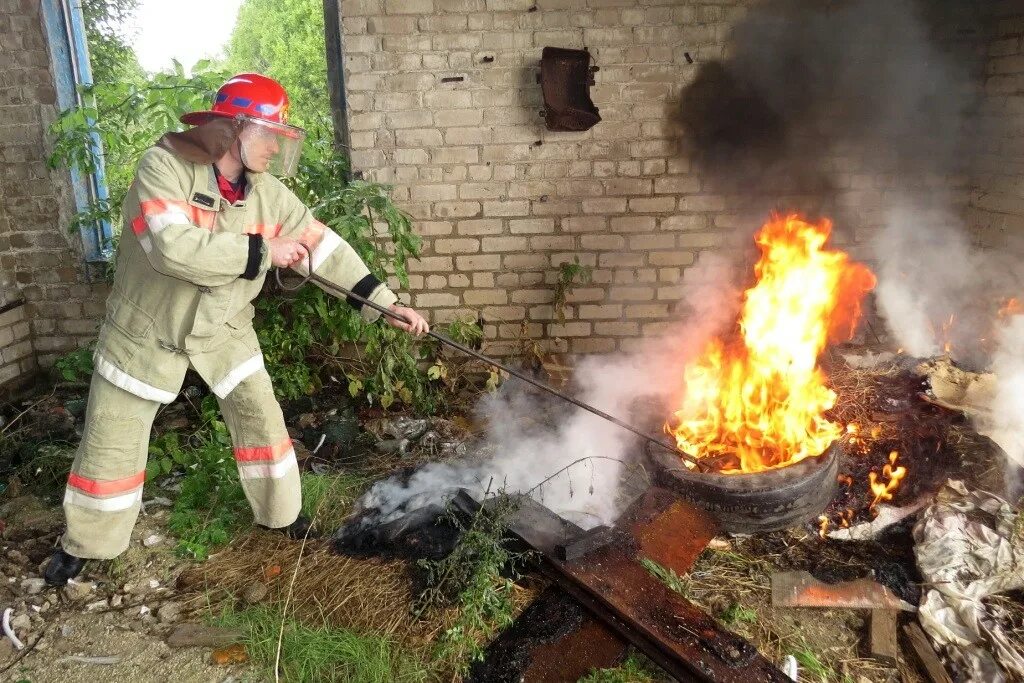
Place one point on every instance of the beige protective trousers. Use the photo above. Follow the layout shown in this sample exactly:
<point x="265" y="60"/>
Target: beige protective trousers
<point x="104" y="491"/>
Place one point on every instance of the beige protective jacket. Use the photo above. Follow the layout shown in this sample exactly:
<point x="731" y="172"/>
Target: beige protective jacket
<point x="189" y="265"/>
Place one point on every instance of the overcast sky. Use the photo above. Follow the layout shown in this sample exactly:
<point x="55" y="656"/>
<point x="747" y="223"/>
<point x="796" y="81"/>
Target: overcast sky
<point x="186" y="30"/>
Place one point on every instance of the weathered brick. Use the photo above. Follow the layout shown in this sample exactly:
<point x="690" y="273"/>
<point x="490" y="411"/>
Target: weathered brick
<point x="602" y="242"/>
<point x="533" y="296"/>
<point x="617" y="329"/>
<point x="506" y="208"/>
<point x="461" y="245"/>
<point x="431" y="193"/>
<point x="600" y="312"/>
<point x="671" y="258"/>
<point x="531" y="225"/>
<point x="436" y="299"/>
<point x="480" y="262"/>
<point x="456" y="209"/>
<point x="485" y="297"/>
<point x="502" y="244"/>
<point x="441" y="264"/>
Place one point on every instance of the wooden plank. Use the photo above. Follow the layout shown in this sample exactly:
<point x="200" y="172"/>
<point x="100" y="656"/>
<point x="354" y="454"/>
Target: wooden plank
<point x="883" y="638"/>
<point x="926" y="655"/>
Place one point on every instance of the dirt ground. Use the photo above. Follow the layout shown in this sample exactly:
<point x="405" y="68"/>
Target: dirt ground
<point x="122" y="609"/>
<point x="125" y="609"/>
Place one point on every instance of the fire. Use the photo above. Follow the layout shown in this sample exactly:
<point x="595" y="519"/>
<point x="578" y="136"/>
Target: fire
<point x="761" y="398"/>
<point x="893" y="475"/>
<point x="1010" y="307"/>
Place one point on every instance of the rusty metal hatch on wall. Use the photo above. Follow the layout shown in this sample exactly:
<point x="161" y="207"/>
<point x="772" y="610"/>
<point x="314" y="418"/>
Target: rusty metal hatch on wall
<point x="565" y="78"/>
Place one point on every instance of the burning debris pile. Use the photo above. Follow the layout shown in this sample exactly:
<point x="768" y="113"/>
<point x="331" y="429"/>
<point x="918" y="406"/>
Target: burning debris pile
<point x="760" y="399"/>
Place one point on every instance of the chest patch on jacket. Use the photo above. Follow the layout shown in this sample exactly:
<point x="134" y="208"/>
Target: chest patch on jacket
<point x="205" y="200"/>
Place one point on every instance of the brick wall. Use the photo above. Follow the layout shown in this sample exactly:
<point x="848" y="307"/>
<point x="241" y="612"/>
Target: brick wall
<point x="996" y="210"/>
<point x="16" y="355"/>
<point x="500" y="201"/>
<point x="39" y="262"/>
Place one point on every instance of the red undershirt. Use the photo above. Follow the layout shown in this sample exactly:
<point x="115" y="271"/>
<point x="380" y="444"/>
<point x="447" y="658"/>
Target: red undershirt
<point x="229" y="190"/>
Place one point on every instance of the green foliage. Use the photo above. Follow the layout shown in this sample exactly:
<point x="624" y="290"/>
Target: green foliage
<point x="211" y="505"/>
<point x="666" y="576"/>
<point x="737" y="614"/>
<point x="811" y="664"/>
<point x="328" y="498"/>
<point x="473" y="573"/>
<point x="110" y="54"/>
<point x="321" y="654"/>
<point x="284" y="39"/>
<point x="75" y="366"/>
<point x="569" y="275"/>
<point x="633" y="670"/>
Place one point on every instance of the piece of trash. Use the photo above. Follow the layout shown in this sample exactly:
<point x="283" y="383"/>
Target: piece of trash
<point x="153" y="583"/>
<point x="232" y="654"/>
<point x="320" y="468"/>
<point x="98" y="605"/>
<point x="80" y="659"/>
<point x="152" y="540"/>
<point x="393" y="446"/>
<point x="883" y="644"/>
<point x="406" y="428"/>
<point x="272" y="571"/>
<point x="323" y="437"/>
<point x="800" y="589"/>
<point x="967" y="551"/>
<point x="887" y="516"/>
<point x="9" y="632"/>
<point x="789" y="667"/>
<point x="143" y="611"/>
<point x="719" y="544"/>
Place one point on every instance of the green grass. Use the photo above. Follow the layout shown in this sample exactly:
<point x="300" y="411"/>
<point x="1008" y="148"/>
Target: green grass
<point x="633" y="670"/>
<point x="666" y="576"/>
<point x="323" y="654"/>
<point x="329" y="497"/>
<point x="810" y="663"/>
<point x="737" y="614"/>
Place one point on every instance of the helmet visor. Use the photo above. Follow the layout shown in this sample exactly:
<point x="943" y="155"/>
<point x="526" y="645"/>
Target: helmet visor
<point x="273" y="147"/>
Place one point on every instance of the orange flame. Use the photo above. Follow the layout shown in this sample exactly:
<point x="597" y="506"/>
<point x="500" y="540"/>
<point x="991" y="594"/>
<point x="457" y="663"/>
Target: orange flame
<point x="823" y="523"/>
<point x="761" y="398"/>
<point x="893" y="475"/>
<point x="1010" y="307"/>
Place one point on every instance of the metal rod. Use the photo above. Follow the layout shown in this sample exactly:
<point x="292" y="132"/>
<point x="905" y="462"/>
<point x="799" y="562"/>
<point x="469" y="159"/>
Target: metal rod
<point x="501" y="366"/>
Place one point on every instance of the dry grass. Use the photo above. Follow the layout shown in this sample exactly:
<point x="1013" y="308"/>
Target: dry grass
<point x="366" y="595"/>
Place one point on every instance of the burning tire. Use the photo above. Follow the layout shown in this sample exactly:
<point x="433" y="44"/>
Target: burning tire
<point x="759" y="501"/>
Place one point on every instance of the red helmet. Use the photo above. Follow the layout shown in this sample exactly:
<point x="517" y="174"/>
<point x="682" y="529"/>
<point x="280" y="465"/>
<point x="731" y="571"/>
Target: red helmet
<point x="253" y="96"/>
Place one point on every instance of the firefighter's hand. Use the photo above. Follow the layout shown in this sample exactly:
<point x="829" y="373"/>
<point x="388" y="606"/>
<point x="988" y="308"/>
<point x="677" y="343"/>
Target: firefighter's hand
<point x="285" y="252"/>
<point x="418" y="326"/>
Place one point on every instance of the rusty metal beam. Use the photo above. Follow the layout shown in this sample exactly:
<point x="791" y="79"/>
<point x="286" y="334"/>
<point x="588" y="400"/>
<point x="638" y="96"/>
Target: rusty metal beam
<point x="611" y="583"/>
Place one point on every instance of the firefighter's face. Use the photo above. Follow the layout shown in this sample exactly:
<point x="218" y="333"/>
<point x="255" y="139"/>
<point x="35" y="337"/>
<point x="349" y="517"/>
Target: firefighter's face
<point x="258" y="147"/>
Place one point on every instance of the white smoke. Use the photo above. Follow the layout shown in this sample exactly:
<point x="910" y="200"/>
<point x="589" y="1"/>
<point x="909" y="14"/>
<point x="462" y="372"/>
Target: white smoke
<point x="1007" y="409"/>
<point x="571" y="460"/>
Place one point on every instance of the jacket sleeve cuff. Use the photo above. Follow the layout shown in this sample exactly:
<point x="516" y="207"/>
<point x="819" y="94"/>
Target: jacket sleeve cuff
<point x="253" y="264"/>
<point x="376" y="291"/>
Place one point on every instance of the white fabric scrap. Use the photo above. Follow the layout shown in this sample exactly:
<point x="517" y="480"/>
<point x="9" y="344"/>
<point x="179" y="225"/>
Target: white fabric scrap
<point x="966" y="550"/>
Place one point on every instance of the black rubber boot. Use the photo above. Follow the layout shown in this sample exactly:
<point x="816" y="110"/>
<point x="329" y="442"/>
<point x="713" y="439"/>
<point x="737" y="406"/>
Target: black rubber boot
<point x="297" y="530"/>
<point x="62" y="567"/>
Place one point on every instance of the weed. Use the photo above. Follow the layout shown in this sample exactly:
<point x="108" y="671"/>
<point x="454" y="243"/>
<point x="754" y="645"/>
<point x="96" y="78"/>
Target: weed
<point x="75" y="366"/>
<point x="666" y="576"/>
<point x="211" y="505"/>
<point x="737" y="614"/>
<point x="329" y="497"/>
<point x="322" y="653"/>
<point x="634" y="670"/>
<point x="569" y="275"/>
<point x="810" y="662"/>
<point x="474" y="575"/>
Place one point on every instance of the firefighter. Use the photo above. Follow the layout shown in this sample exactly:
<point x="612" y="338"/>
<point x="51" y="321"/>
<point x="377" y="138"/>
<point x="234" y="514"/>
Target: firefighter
<point x="204" y="220"/>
